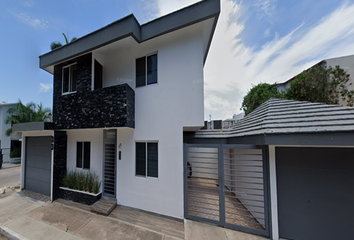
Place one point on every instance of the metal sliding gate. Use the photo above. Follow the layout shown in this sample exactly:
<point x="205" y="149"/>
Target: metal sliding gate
<point x="227" y="185"/>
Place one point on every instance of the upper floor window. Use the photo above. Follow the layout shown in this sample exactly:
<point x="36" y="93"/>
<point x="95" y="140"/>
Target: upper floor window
<point x="69" y="78"/>
<point x="146" y="70"/>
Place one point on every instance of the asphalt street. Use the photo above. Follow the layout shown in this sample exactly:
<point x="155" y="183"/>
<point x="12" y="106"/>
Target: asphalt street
<point x="10" y="177"/>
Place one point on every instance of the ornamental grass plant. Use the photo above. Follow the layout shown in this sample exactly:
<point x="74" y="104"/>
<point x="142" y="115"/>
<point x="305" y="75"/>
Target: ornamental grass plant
<point x="82" y="180"/>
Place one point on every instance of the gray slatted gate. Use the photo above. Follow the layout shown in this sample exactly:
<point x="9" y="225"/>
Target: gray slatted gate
<point x="109" y="176"/>
<point x="227" y="185"/>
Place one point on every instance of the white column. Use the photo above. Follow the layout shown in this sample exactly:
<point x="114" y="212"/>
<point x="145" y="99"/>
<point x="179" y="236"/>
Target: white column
<point x="23" y="160"/>
<point x="273" y="193"/>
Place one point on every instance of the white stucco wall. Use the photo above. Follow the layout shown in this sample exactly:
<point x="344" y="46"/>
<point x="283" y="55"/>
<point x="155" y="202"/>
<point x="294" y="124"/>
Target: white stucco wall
<point x="161" y="112"/>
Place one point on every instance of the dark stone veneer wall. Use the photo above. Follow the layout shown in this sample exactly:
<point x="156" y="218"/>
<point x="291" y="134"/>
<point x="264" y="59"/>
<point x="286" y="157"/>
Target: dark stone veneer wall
<point x="59" y="168"/>
<point x="106" y="107"/>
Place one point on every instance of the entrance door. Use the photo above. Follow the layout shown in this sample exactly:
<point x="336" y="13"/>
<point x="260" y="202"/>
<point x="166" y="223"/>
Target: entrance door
<point x="110" y="149"/>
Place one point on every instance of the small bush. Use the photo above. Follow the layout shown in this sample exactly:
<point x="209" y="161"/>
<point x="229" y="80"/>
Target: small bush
<point x="82" y="181"/>
<point x="15" y="153"/>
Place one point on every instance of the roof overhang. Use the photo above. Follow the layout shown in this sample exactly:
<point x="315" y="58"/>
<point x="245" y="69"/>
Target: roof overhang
<point x="293" y="139"/>
<point x="32" y="126"/>
<point x="130" y="27"/>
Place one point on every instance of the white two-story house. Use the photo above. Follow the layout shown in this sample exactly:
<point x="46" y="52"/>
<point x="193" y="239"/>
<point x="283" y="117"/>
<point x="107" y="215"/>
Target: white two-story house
<point x="123" y="96"/>
<point x="10" y="143"/>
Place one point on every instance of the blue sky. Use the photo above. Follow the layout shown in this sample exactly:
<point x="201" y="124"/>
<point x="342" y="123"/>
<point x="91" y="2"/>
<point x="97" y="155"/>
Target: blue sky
<point x="255" y="41"/>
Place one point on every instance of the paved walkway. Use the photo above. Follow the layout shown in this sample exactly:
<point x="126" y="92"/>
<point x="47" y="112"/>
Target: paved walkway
<point x="10" y="178"/>
<point x="26" y="218"/>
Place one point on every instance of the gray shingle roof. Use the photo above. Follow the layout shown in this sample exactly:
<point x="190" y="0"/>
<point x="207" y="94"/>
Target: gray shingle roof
<point x="279" y="116"/>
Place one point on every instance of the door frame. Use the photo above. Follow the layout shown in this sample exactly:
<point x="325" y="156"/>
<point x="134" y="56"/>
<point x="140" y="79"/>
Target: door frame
<point x="115" y="163"/>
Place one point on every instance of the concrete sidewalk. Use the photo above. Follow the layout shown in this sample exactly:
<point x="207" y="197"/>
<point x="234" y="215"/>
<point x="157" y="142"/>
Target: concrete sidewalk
<point x="25" y="218"/>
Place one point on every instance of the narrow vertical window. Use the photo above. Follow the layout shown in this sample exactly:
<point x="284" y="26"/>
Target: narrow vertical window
<point x="79" y="154"/>
<point x="152" y="160"/>
<point x="83" y="155"/>
<point x="98" y="75"/>
<point x="140" y="72"/>
<point x="66" y="78"/>
<point x="152" y="69"/>
<point x="140" y="154"/>
<point x="73" y="78"/>
<point x="87" y="155"/>
<point x="146" y="70"/>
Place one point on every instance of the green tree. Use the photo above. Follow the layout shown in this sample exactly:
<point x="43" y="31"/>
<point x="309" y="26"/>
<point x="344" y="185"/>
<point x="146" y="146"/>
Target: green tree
<point x="30" y="112"/>
<point x="319" y="84"/>
<point x="258" y="95"/>
<point x="57" y="44"/>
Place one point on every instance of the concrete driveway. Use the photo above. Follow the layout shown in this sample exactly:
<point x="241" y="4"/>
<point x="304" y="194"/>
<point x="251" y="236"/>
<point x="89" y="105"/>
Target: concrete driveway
<point x="10" y="177"/>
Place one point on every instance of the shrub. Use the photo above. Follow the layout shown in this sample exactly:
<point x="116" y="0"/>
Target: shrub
<point x="82" y="181"/>
<point x="15" y="153"/>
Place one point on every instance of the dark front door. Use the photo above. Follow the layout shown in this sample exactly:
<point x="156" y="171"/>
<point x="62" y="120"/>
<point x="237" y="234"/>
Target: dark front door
<point x="315" y="193"/>
<point x="38" y="164"/>
<point x="110" y="167"/>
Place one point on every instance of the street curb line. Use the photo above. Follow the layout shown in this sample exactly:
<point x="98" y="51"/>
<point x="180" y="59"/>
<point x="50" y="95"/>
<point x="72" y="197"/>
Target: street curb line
<point x="10" y="234"/>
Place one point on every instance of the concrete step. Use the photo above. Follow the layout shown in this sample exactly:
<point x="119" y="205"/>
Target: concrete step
<point x="104" y="206"/>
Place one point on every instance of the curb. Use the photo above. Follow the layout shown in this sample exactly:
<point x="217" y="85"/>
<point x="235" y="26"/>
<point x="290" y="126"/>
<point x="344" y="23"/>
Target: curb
<point x="12" y="235"/>
<point x="7" y="167"/>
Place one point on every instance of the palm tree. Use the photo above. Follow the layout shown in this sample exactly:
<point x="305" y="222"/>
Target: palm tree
<point x="57" y="44"/>
<point x="30" y="112"/>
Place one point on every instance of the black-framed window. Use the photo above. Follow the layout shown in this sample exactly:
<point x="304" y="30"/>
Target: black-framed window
<point x="98" y="75"/>
<point x="83" y="155"/>
<point x="146" y="154"/>
<point x="146" y="70"/>
<point x="69" y="78"/>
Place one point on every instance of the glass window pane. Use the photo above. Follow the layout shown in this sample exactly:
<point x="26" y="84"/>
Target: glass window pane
<point x="79" y="154"/>
<point x="140" y="72"/>
<point x="152" y="69"/>
<point x="98" y="75"/>
<point x="140" y="154"/>
<point x="73" y="69"/>
<point x="87" y="154"/>
<point x="65" y="80"/>
<point x="152" y="160"/>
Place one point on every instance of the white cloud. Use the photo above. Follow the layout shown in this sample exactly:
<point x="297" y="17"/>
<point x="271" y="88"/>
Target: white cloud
<point x="265" y="9"/>
<point x="168" y="6"/>
<point x="28" y="3"/>
<point x="31" y="21"/>
<point x="232" y="67"/>
<point x="45" y="87"/>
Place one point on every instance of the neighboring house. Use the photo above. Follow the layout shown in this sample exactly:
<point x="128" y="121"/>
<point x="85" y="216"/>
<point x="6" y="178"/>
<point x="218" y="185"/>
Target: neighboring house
<point x="7" y="144"/>
<point x="237" y="117"/>
<point x="117" y="92"/>
<point x="286" y="170"/>
<point x="346" y="63"/>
